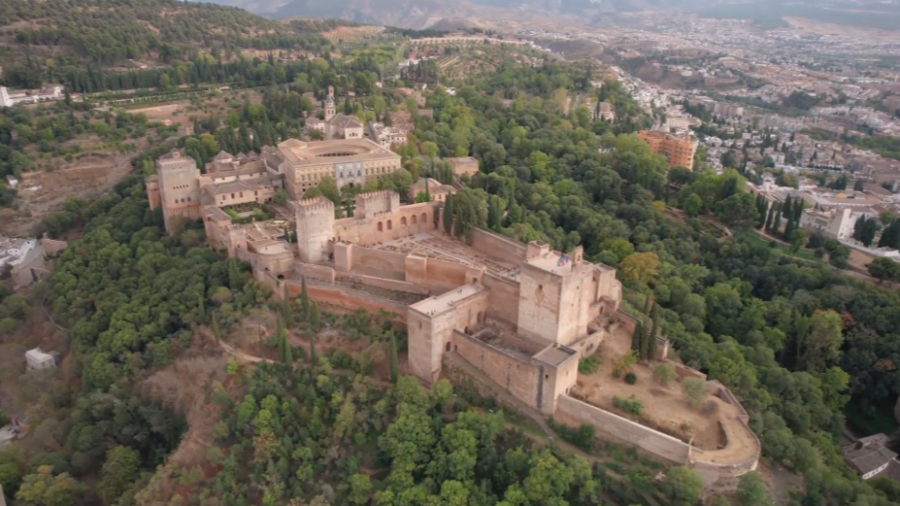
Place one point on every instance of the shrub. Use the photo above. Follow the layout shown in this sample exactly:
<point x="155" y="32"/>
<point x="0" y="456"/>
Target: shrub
<point x="710" y="407"/>
<point x="695" y="390"/>
<point x="631" y="378"/>
<point x="664" y="374"/>
<point x="588" y="365"/>
<point x="632" y="404"/>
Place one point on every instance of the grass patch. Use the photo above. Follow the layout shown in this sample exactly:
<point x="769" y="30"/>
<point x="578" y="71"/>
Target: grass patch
<point x="588" y="365"/>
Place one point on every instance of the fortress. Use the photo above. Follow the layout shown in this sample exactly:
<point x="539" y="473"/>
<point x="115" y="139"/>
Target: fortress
<point x="515" y="318"/>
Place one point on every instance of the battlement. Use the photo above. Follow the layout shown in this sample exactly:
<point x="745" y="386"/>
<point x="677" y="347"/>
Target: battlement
<point x="376" y="203"/>
<point x="314" y="204"/>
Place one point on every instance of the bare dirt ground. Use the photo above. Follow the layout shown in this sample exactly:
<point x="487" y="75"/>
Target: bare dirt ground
<point x="666" y="407"/>
<point x="167" y="113"/>
<point x="185" y="386"/>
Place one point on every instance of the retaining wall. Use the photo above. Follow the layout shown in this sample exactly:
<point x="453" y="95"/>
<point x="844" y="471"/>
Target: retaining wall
<point x="645" y="438"/>
<point x="317" y="272"/>
<point x="498" y="247"/>
<point x="377" y="259"/>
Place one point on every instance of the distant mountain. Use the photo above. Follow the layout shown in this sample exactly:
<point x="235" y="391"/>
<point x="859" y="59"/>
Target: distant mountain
<point x="482" y="13"/>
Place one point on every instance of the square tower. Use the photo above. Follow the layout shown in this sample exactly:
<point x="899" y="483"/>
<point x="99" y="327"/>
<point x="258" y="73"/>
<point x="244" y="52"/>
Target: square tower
<point x="558" y="295"/>
<point x="330" y="109"/>
<point x="179" y="187"/>
<point x="315" y="227"/>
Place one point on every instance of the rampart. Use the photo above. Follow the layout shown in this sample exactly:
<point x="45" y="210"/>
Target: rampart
<point x="647" y="439"/>
<point x="498" y="247"/>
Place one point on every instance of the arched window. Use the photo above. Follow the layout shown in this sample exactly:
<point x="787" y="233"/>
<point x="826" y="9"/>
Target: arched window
<point x="390" y="225"/>
<point x="381" y="227"/>
<point x="403" y="221"/>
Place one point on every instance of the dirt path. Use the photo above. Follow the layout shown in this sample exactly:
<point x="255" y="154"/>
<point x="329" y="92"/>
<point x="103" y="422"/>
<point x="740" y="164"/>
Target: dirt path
<point x="241" y="356"/>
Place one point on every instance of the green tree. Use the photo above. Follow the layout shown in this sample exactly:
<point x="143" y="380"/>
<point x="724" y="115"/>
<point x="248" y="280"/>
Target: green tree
<point x="752" y="490"/>
<point x="693" y="205"/>
<point x="694" y="390"/>
<point x="884" y="269"/>
<point x="44" y="489"/>
<point x="682" y="486"/>
<point x="360" y="489"/>
<point x="118" y="473"/>
<point x="288" y="308"/>
<point x="447" y="215"/>
<point x="823" y="344"/>
<point x="798" y="240"/>
<point x="304" y="298"/>
<point x="395" y="369"/>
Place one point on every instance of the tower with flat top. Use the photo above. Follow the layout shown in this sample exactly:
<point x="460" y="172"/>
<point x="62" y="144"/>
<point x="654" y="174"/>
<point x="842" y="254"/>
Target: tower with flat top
<point x="315" y="226"/>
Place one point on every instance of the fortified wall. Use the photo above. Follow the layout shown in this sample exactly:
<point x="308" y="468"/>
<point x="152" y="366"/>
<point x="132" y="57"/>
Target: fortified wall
<point x="522" y="315"/>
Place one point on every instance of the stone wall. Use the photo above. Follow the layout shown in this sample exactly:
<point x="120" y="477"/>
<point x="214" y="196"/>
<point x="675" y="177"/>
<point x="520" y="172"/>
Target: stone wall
<point x="315" y="272"/>
<point x="503" y="299"/>
<point x="647" y="439"/>
<point x="387" y="284"/>
<point x="498" y="247"/>
<point x="519" y="377"/>
<point x="377" y="259"/>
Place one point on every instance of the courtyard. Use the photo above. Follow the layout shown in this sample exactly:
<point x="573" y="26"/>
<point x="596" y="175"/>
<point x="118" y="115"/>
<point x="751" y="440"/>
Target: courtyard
<point x="713" y="428"/>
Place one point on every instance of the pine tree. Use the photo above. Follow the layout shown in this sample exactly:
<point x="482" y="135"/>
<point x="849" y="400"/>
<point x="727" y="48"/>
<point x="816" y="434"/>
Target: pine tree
<point x="447" y="215"/>
<point x="288" y="308"/>
<point x="304" y="298"/>
<point x="395" y="370"/>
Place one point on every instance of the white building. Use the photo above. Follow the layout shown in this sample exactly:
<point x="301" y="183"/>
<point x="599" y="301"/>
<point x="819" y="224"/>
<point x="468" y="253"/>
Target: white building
<point x="5" y="100"/>
<point x="835" y="223"/>
<point x="37" y="359"/>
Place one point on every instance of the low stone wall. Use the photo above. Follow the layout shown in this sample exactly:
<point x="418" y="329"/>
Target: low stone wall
<point x="387" y="284"/>
<point x="685" y="371"/>
<point x="313" y="271"/>
<point x="647" y="439"/>
<point x="377" y="259"/>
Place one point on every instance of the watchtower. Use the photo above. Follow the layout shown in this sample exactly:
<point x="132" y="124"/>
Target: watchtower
<point x="315" y="227"/>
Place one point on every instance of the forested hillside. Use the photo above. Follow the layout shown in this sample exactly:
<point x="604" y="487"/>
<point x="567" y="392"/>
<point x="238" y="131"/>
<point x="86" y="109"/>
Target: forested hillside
<point x="44" y="39"/>
<point x="795" y="340"/>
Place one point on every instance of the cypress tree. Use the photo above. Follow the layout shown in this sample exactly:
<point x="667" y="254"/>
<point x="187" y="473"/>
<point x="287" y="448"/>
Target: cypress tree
<point x="776" y="227"/>
<point x="215" y="327"/>
<point x="279" y="337"/>
<point x="201" y="310"/>
<point x="644" y="351"/>
<point x="638" y="336"/>
<point x="395" y="370"/>
<point x="234" y="275"/>
<point x="314" y="316"/>
<point x="304" y="298"/>
<point x="786" y="208"/>
<point x="768" y="226"/>
<point x="447" y="215"/>
<point x="654" y="331"/>
<point x="288" y="308"/>
<point x="789" y="228"/>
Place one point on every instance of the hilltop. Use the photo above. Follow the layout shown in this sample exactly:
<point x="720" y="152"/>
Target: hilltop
<point x="41" y="37"/>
